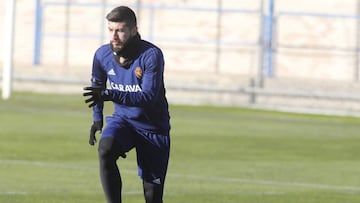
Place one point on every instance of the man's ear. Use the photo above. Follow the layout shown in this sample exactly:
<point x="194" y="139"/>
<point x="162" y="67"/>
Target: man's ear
<point x="134" y="31"/>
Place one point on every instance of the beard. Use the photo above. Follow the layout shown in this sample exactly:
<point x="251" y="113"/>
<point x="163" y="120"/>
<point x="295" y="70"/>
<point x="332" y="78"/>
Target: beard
<point x="122" y="46"/>
<point x="117" y="46"/>
<point x="125" y="52"/>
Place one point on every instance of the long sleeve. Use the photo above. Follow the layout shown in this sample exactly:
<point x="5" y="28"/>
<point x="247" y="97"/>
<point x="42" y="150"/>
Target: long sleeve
<point x="98" y="78"/>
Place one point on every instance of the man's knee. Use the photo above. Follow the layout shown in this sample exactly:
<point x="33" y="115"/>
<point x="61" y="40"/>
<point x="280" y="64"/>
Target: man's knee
<point x="153" y="193"/>
<point x="109" y="148"/>
<point x="105" y="148"/>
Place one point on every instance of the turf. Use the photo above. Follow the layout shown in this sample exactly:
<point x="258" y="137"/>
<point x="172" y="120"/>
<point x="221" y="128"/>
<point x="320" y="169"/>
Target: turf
<point x="218" y="154"/>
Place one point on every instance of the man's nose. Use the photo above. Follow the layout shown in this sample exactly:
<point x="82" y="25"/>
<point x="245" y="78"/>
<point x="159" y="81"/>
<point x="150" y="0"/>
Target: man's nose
<point x="113" y="35"/>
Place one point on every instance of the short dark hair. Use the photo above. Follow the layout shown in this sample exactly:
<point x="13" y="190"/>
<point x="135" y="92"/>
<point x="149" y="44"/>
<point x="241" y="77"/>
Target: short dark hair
<point x="122" y="14"/>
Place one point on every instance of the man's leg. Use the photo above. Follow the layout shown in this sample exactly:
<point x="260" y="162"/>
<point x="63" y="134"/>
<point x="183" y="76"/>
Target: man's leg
<point x="153" y="193"/>
<point x="109" y="152"/>
<point x="153" y="152"/>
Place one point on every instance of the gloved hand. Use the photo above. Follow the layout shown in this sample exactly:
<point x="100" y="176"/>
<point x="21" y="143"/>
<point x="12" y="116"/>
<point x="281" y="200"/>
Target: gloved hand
<point x="98" y="94"/>
<point x="96" y="126"/>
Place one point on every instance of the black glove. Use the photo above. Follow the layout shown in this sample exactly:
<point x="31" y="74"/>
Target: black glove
<point x="96" y="126"/>
<point x="98" y="94"/>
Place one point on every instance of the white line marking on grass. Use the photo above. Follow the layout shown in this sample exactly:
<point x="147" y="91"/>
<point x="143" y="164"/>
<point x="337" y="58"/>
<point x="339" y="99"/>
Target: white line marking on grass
<point x="195" y="177"/>
<point x="46" y="164"/>
<point x="138" y="192"/>
<point x="74" y="166"/>
<point x="13" y="193"/>
<point x="135" y="192"/>
<point x="270" y="182"/>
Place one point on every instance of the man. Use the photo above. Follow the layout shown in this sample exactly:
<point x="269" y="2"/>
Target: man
<point x="134" y="69"/>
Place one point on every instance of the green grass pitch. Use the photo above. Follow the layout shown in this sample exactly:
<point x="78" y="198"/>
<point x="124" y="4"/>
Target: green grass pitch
<point x="218" y="155"/>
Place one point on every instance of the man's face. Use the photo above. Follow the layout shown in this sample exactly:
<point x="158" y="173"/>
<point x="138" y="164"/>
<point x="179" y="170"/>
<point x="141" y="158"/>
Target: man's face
<point x="120" y="33"/>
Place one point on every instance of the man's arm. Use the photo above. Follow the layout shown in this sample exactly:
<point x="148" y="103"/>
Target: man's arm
<point x="98" y="79"/>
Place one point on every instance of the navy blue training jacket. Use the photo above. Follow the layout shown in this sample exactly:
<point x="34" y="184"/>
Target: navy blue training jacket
<point x="138" y="91"/>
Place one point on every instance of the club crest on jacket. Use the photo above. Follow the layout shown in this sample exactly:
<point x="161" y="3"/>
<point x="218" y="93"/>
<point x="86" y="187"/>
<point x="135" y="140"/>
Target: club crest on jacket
<point x="138" y="72"/>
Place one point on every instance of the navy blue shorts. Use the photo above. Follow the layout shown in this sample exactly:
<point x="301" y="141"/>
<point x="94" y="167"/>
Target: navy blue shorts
<point x="152" y="149"/>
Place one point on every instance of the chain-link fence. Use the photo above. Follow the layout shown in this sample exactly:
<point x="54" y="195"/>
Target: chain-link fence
<point x="268" y="53"/>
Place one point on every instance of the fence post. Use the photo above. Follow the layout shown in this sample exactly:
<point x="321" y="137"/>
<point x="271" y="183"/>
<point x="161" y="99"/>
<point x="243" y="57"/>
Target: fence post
<point x="260" y="76"/>
<point x="218" y="36"/>
<point x="8" y="49"/>
<point x="38" y="33"/>
<point x="357" y="46"/>
<point x="269" y="40"/>
<point x="67" y="32"/>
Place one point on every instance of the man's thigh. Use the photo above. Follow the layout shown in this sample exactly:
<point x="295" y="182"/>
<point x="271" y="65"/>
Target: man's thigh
<point x="153" y="156"/>
<point x="120" y="131"/>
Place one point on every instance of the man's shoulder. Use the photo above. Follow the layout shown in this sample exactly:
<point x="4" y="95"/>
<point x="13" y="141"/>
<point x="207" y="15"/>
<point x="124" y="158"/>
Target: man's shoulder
<point x="104" y="50"/>
<point x="150" y="48"/>
<point x="148" y="45"/>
